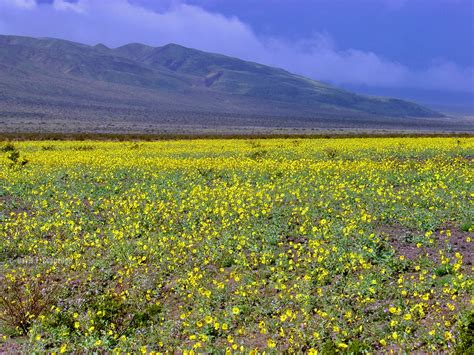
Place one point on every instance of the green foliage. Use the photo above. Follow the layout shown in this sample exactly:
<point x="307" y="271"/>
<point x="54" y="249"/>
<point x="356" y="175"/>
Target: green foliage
<point x="465" y="344"/>
<point x="83" y="147"/>
<point x="444" y="270"/>
<point x="7" y="147"/>
<point x="13" y="155"/>
<point x="258" y="154"/>
<point x="467" y="226"/>
<point x="331" y="153"/>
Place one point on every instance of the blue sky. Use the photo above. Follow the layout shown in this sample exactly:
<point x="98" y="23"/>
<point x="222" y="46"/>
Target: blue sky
<point x="418" y="49"/>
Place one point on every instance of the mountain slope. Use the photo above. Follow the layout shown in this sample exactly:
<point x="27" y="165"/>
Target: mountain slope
<point x="57" y="79"/>
<point x="235" y="76"/>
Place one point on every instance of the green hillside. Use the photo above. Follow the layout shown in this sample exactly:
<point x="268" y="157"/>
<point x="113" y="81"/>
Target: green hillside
<point x="54" y="78"/>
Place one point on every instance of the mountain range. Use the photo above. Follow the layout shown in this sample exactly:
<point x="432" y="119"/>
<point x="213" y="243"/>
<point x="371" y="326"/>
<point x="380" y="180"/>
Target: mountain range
<point x="60" y="84"/>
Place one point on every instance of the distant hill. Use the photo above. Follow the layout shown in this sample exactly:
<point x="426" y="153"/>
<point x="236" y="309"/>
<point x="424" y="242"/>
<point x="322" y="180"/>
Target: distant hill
<point x="43" y="79"/>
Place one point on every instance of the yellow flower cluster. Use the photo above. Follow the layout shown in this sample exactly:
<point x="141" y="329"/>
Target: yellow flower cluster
<point x="318" y="245"/>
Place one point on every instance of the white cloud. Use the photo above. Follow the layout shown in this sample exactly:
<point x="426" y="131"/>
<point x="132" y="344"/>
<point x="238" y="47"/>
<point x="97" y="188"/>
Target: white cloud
<point x="69" y="6"/>
<point x="23" y="4"/>
<point x="117" y="22"/>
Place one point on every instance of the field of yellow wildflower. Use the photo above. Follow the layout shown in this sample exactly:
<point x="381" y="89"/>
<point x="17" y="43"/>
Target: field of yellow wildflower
<point x="313" y="245"/>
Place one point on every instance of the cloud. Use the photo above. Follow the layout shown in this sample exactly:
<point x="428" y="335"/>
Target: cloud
<point x="319" y="58"/>
<point x="117" y="22"/>
<point x="63" y="5"/>
<point x="23" y="4"/>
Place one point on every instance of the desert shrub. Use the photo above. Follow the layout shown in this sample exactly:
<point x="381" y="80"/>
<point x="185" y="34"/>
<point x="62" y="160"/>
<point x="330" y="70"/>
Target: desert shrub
<point x="331" y="153"/>
<point x="23" y="299"/>
<point x="206" y="173"/>
<point x="83" y="148"/>
<point x="48" y="147"/>
<point x="14" y="156"/>
<point x="254" y="144"/>
<point x="7" y="147"/>
<point x="258" y="154"/>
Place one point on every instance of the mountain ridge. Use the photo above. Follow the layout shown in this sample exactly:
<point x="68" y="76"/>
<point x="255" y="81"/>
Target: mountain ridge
<point x="168" y="81"/>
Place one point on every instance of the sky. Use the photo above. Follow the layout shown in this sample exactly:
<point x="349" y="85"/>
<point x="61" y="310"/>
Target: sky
<point x="415" y="49"/>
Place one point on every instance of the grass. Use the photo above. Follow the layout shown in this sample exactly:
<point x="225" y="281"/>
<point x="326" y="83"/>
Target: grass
<point x="332" y="245"/>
